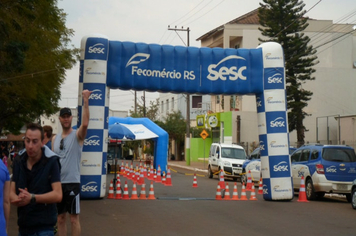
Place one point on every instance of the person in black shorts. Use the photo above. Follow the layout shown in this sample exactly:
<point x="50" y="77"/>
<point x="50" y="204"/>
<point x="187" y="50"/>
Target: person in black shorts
<point x="68" y="145"/>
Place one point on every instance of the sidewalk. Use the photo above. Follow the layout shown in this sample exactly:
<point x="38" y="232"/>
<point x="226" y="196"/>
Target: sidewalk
<point x="194" y="165"/>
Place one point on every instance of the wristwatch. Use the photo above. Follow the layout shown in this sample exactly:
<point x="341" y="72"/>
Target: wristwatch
<point x="33" y="198"/>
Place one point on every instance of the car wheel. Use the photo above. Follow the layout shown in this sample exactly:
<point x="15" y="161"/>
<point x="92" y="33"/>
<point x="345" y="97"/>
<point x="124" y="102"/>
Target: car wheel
<point x="243" y="178"/>
<point x="348" y="197"/>
<point x="309" y="190"/>
<point x="353" y="198"/>
<point x="210" y="173"/>
<point x="319" y="196"/>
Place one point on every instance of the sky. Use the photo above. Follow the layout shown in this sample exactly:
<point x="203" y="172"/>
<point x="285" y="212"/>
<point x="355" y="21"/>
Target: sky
<point x="147" y="21"/>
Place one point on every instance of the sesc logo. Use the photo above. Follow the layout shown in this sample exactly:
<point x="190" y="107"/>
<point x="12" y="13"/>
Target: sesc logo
<point x="282" y="166"/>
<point x="275" y="79"/>
<point x="278" y="122"/>
<point x="140" y="56"/>
<point x="262" y="146"/>
<point x="224" y="72"/>
<point x="258" y="102"/>
<point x="97" y="48"/>
<point x="90" y="187"/>
<point x="92" y="141"/>
<point x="96" y="94"/>
<point x="265" y="189"/>
<point x="331" y="169"/>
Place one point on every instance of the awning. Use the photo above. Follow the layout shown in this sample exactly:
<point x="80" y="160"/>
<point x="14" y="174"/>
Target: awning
<point x="140" y="131"/>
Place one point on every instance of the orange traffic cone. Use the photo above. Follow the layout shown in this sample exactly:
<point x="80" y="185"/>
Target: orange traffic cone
<point x="122" y="168"/>
<point x="151" y="193"/>
<point x="134" y="192"/>
<point x="168" y="178"/>
<point x="117" y="177"/>
<point x="136" y="175"/>
<point x="128" y="174"/>
<point x="243" y="193"/>
<point x="151" y="172"/>
<point x="144" y="171"/>
<point x="302" y="194"/>
<point x="126" y="170"/>
<point x="118" y="190"/>
<point x="253" y="194"/>
<point x="111" y="191"/>
<point x="155" y="176"/>
<point x="141" y="179"/>
<point x="235" y="195"/>
<point x="222" y="180"/>
<point x="249" y="181"/>
<point x="149" y="176"/>
<point x="143" y="192"/>
<point x="164" y="178"/>
<point x="227" y="192"/>
<point x="159" y="178"/>
<point x="218" y="193"/>
<point x="126" y="192"/>
<point x="260" y="187"/>
<point x="195" y="183"/>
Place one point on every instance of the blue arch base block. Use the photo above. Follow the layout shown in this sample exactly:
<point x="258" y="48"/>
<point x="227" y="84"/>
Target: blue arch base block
<point x="272" y="189"/>
<point x="160" y="144"/>
<point x="90" y="186"/>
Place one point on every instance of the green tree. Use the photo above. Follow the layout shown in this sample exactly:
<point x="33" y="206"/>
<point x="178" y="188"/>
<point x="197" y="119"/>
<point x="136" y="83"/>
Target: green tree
<point x="175" y="126"/>
<point x="150" y="112"/>
<point x="34" y="55"/>
<point x="282" y="21"/>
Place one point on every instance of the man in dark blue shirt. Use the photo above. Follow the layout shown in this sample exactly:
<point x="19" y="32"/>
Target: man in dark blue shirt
<point x="35" y="185"/>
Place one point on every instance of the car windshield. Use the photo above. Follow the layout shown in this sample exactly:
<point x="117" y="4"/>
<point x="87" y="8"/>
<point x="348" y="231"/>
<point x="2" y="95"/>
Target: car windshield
<point x="339" y="154"/>
<point x="233" y="153"/>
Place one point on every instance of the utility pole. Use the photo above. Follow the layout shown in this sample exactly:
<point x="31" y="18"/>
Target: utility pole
<point x="135" y="102"/>
<point x="144" y="103"/>
<point x="187" y="139"/>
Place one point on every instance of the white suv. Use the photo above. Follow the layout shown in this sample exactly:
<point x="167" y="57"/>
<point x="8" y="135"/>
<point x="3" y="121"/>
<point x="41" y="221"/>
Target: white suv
<point x="227" y="157"/>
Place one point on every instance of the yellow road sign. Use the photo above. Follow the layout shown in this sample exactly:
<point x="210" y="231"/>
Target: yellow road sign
<point x="204" y="134"/>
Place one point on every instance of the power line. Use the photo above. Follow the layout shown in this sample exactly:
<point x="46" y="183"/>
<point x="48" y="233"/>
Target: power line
<point x="334" y="39"/>
<point x="173" y="23"/>
<point x="297" y="19"/>
<point x="213" y="8"/>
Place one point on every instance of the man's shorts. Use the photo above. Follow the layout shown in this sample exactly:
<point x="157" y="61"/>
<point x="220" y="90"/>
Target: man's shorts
<point x="71" y="199"/>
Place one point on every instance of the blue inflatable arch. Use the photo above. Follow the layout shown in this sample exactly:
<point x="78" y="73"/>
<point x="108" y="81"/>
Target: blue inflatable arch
<point x="109" y="64"/>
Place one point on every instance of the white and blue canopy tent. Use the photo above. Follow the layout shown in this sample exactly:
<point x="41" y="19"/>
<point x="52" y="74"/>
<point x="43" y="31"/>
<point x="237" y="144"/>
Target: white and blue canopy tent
<point x="144" y="128"/>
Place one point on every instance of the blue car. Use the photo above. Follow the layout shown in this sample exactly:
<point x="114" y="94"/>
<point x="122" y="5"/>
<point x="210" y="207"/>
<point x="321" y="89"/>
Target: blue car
<point x="253" y="164"/>
<point x="326" y="169"/>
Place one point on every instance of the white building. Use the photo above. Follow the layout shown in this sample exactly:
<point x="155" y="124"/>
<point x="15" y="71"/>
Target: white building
<point x="334" y="89"/>
<point x="170" y="102"/>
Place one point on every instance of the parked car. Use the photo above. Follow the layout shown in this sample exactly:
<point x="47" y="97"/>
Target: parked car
<point x="326" y="169"/>
<point x="227" y="157"/>
<point x="253" y="164"/>
<point x="353" y="195"/>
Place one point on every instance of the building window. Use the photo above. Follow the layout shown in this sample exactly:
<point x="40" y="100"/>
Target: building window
<point x="172" y="103"/>
<point x="167" y="105"/>
<point x="197" y="101"/>
<point x="162" y="107"/>
<point x="217" y="99"/>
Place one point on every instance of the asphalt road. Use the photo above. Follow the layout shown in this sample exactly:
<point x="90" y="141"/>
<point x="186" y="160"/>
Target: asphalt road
<point x="184" y="210"/>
